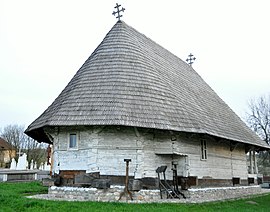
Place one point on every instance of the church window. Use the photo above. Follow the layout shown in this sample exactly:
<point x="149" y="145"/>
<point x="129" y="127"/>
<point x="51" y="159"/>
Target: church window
<point x="72" y="141"/>
<point x="203" y="149"/>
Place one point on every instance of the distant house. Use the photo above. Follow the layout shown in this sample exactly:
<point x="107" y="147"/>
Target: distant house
<point x="7" y="152"/>
<point x="133" y="99"/>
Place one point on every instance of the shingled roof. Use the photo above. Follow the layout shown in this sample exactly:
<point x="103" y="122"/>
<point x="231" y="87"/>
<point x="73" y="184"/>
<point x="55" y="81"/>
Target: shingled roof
<point x="130" y="80"/>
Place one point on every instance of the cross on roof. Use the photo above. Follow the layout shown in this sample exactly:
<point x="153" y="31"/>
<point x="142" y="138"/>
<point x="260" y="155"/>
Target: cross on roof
<point x="118" y="11"/>
<point x="190" y="59"/>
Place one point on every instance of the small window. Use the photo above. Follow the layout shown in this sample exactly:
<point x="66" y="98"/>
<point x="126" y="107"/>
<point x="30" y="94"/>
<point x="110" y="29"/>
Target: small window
<point x="72" y="141"/>
<point x="203" y="149"/>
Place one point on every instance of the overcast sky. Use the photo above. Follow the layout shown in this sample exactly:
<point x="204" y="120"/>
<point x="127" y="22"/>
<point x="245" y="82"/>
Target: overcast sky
<point x="44" y="43"/>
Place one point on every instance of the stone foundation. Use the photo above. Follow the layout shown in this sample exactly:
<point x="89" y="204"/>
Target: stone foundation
<point x="223" y="192"/>
<point x="112" y="194"/>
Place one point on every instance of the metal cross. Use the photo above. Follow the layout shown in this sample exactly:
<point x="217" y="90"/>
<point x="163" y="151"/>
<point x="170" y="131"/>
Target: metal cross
<point x="190" y="59"/>
<point x="118" y="11"/>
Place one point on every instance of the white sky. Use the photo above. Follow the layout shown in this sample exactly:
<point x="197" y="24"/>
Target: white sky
<point x="44" y="43"/>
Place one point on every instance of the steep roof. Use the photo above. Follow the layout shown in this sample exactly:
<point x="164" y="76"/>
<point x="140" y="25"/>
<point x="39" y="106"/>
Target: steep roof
<point x="4" y="145"/>
<point x="130" y="80"/>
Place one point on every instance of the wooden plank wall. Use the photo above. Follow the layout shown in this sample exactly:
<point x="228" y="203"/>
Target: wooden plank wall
<point x="104" y="149"/>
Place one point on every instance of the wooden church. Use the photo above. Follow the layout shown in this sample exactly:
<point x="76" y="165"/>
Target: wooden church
<point x="133" y="99"/>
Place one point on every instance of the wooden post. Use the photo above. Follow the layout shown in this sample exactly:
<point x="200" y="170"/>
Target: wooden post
<point x="126" y="191"/>
<point x="52" y="159"/>
<point x="251" y="162"/>
<point x="255" y="163"/>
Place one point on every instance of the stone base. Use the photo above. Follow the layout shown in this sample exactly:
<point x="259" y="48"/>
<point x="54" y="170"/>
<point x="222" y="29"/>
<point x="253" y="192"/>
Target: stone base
<point x="112" y="194"/>
<point x="223" y="192"/>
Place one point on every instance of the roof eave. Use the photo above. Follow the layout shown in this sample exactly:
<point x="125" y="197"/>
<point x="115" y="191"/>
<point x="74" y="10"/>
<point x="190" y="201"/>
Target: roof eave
<point x="39" y="135"/>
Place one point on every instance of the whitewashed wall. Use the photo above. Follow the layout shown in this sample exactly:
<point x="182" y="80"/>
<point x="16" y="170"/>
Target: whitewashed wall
<point x="104" y="149"/>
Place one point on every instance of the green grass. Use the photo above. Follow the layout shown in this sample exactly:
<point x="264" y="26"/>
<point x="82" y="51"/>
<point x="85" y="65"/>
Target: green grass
<point x="13" y="198"/>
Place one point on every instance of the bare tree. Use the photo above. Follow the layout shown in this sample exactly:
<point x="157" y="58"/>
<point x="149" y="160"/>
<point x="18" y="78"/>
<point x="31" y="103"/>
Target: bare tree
<point x="14" y="135"/>
<point x="35" y="151"/>
<point x="258" y="119"/>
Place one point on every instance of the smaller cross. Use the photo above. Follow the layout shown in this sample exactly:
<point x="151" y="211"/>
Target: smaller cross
<point x="118" y="11"/>
<point x="190" y="59"/>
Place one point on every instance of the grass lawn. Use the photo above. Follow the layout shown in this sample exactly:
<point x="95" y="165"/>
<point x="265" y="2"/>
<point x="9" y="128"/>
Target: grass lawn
<point x="12" y="198"/>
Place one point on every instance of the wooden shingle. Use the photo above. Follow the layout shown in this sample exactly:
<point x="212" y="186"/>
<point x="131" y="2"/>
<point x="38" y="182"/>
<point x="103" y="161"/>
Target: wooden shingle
<point x="130" y="80"/>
